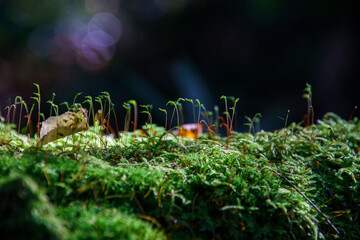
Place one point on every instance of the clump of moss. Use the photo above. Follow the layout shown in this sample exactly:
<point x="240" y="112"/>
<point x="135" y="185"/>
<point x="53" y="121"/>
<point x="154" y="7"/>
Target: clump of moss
<point x="25" y="211"/>
<point x="96" y="222"/>
<point x="106" y="186"/>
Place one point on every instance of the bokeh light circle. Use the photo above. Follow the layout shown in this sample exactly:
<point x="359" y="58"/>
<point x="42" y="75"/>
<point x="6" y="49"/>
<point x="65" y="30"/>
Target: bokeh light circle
<point x="106" y="22"/>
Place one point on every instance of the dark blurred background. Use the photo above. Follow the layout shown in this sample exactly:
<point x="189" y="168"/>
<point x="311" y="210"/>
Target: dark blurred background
<point x="153" y="51"/>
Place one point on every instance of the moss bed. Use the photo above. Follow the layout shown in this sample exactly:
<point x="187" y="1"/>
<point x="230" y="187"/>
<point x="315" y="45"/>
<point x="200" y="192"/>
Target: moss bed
<point x="161" y="186"/>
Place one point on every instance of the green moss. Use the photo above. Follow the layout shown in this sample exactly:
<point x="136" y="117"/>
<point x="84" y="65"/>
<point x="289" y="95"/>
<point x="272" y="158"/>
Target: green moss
<point x="25" y="212"/>
<point x="151" y="186"/>
<point x="94" y="222"/>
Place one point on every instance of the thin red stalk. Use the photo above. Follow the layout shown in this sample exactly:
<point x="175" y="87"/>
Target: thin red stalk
<point x="108" y="127"/>
<point x="351" y="116"/>
<point x="20" y="118"/>
<point x="117" y="126"/>
<point x="172" y="117"/>
<point x="209" y="130"/>
<point x="228" y="134"/>
<point x="14" y="112"/>
<point x="8" y="115"/>
<point x="135" y="118"/>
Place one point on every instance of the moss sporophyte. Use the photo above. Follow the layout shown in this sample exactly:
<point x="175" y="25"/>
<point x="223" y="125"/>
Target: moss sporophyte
<point x="83" y="178"/>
